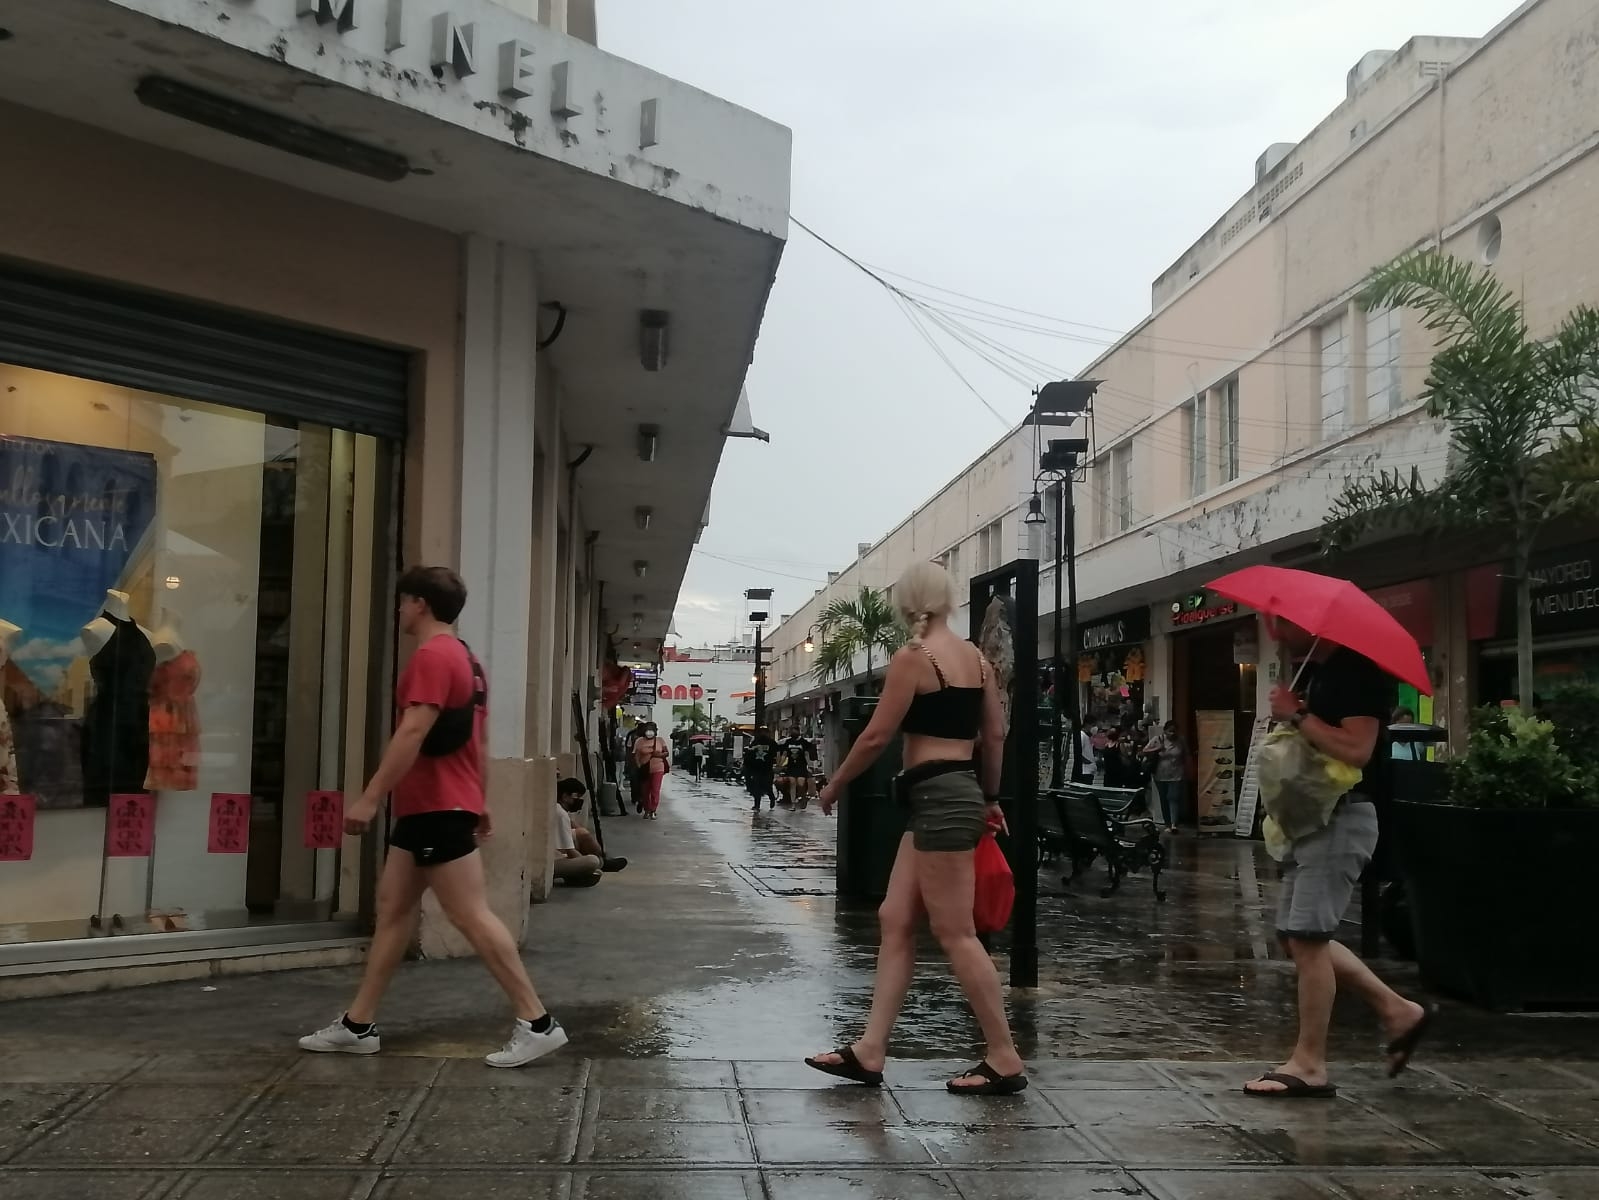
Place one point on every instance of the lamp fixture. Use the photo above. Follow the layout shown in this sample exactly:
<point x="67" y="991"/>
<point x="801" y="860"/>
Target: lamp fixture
<point x="1063" y="454"/>
<point x="642" y="516"/>
<point x="649" y="442"/>
<point x="641" y="568"/>
<point x="810" y="644"/>
<point x="652" y="324"/>
<point x="1062" y="402"/>
<point x="269" y="129"/>
<point x="1035" y="511"/>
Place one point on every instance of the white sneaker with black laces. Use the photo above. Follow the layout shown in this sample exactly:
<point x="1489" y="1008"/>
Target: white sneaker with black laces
<point x="339" y="1038"/>
<point x="528" y="1046"/>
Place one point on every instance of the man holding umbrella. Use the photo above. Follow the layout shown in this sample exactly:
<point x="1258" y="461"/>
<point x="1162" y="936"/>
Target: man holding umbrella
<point x="1339" y="702"/>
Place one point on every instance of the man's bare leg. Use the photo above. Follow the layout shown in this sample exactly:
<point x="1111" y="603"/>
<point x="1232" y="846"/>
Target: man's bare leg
<point x="399" y="902"/>
<point x="1318" y="985"/>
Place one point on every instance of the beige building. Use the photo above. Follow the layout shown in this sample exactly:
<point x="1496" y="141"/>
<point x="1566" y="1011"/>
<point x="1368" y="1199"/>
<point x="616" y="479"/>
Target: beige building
<point x="1232" y="415"/>
<point x="292" y="295"/>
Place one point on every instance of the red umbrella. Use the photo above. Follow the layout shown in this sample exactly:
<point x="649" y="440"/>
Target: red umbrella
<point x="1334" y="609"/>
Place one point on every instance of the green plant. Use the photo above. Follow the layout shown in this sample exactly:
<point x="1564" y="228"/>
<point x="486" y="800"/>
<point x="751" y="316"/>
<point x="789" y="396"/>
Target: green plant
<point x="865" y="623"/>
<point x="1515" y="760"/>
<point x="1523" y="422"/>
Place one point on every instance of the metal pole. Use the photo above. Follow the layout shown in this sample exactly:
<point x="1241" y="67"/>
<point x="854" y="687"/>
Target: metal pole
<point x="760" y="681"/>
<point x="1069" y="504"/>
<point x="1057" y="771"/>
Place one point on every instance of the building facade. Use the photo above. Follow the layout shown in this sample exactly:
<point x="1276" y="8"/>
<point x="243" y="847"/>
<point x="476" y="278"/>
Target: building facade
<point x="1231" y="417"/>
<point x="293" y="295"/>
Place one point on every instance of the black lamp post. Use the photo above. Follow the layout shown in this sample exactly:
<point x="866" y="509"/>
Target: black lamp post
<point x="757" y="616"/>
<point x="1061" y="404"/>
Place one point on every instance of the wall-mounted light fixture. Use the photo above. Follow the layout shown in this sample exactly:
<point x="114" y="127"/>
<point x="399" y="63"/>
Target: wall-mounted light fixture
<point x="641" y="568"/>
<point x="173" y="583"/>
<point x="652" y="325"/>
<point x="642" y="516"/>
<point x="649" y="442"/>
<point x="1035" y="511"/>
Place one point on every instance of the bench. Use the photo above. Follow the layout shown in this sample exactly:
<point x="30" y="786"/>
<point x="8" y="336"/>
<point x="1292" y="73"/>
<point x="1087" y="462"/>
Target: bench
<point x="1108" y="823"/>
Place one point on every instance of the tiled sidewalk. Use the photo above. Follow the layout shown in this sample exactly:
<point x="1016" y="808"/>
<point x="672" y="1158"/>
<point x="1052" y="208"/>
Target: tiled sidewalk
<point x="214" y="1127"/>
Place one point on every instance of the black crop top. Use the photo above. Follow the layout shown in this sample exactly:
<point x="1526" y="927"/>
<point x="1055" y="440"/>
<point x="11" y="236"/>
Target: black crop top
<point x="955" y="713"/>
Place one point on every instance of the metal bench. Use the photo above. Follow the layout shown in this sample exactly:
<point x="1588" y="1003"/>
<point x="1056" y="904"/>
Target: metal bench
<point x="1108" y="823"/>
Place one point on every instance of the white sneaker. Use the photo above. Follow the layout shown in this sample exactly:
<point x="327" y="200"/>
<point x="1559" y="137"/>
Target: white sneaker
<point x="337" y="1039"/>
<point x="526" y="1046"/>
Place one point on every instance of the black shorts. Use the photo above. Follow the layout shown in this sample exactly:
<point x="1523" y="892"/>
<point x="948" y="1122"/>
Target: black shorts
<point x="436" y="838"/>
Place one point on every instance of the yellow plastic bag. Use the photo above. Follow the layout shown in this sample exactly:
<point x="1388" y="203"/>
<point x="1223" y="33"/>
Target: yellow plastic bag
<point x="1299" y="787"/>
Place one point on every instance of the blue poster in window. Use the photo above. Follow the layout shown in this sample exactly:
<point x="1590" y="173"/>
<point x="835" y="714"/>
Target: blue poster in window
<point x="73" y="520"/>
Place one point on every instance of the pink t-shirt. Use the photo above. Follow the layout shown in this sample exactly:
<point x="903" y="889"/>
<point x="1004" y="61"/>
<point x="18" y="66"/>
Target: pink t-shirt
<point x="440" y="674"/>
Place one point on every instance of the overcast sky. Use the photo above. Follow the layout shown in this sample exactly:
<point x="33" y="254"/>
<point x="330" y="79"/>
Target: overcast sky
<point x="1054" y="155"/>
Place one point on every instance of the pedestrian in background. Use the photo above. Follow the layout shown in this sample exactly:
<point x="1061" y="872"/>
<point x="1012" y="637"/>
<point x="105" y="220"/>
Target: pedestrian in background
<point x="1169" y="753"/>
<point x="652" y="758"/>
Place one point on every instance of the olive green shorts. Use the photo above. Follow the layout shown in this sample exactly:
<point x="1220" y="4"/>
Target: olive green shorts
<point x="947" y="812"/>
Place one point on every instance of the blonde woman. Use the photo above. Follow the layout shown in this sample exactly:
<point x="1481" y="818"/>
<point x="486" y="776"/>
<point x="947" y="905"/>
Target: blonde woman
<point x="941" y="694"/>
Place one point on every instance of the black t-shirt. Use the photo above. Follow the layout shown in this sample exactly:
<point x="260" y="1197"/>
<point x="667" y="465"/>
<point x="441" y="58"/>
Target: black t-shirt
<point x="799" y="754"/>
<point x="1351" y="685"/>
<point x="762" y="754"/>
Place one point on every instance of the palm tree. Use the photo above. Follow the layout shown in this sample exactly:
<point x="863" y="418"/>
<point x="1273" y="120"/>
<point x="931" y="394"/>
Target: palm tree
<point x="1523" y="419"/>
<point x="866" y="623"/>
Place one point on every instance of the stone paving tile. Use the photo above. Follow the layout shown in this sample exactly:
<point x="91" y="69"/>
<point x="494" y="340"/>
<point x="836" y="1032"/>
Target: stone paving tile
<point x="1071" y="1074"/>
<point x="487" y="1143"/>
<point x="1510" y="1145"/>
<point x="1058" y="1184"/>
<point x="1423" y="1108"/>
<point x="555" y="1072"/>
<point x="214" y="1068"/>
<point x="666" y="1073"/>
<point x="80" y="1066"/>
<point x="684" y="1185"/>
<point x="165" y="1102"/>
<point x="1588" y="1072"/>
<point x="1566" y="1107"/>
<point x="971" y="1147"/>
<point x="665" y="1141"/>
<point x="927" y="1074"/>
<point x="786" y="1076"/>
<point x="468" y="1106"/>
<point x="1354" y="1141"/>
<point x="1551" y="1185"/>
<point x="304" y="1143"/>
<point x="828" y="1106"/>
<point x="367" y="1070"/>
<point x="79" y="1185"/>
<point x="1031" y="1108"/>
<point x="1181" y="1145"/>
<point x="1235" y="1185"/>
<point x="1128" y="1107"/>
<point x="864" y="1145"/>
<point x="1494" y="1076"/>
<point x="331" y="1102"/>
<point x="1456" y="1185"/>
<point x="145" y="1143"/>
<point x="24" y="1105"/>
<point x="699" y="1105"/>
<point x="863" y="1185"/>
<point x="239" y="1185"/>
<point x="473" y="1185"/>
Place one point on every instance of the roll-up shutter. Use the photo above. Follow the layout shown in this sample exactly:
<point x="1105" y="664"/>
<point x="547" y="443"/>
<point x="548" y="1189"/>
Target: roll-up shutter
<point x="183" y="349"/>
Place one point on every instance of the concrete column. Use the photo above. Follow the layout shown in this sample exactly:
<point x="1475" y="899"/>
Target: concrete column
<point x="545" y="540"/>
<point x="500" y="405"/>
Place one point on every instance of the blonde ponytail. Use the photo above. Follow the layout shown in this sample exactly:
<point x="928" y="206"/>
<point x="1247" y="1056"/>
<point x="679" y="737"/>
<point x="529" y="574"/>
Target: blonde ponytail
<point x="924" y="592"/>
<point x="919" y="623"/>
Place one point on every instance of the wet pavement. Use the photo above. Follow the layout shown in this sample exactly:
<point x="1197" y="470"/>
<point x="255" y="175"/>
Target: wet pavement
<point x="693" y="981"/>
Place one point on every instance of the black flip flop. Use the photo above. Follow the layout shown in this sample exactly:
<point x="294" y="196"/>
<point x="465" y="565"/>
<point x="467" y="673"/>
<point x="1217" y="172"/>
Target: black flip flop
<point x="850" y="1068"/>
<point x="1403" y="1046"/>
<point x="994" y="1084"/>
<point x="1294" y="1088"/>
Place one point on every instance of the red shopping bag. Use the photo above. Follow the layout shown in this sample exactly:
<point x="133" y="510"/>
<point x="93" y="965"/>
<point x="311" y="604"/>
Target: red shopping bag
<point x="996" y="889"/>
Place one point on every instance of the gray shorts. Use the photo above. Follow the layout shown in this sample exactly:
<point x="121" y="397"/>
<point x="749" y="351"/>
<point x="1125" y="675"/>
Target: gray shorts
<point x="947" y="812"/>
<point x="1320" y="873"/>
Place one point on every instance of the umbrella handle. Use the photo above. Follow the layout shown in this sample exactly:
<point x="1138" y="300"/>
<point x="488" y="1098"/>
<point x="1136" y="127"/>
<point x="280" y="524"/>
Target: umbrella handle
<point x="1294" y="686"/>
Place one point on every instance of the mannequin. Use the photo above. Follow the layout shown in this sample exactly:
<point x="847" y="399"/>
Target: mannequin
<point x="10" y="781"/>
<point x="116" y="726"/>
<point x="174" y="716"/>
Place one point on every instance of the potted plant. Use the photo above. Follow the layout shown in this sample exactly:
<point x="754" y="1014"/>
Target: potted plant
<point x="1497" y="876"/>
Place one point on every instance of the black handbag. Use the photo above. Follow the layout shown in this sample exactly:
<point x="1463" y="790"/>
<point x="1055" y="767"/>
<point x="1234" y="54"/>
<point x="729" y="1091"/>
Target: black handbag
<point x="453" y="728"/>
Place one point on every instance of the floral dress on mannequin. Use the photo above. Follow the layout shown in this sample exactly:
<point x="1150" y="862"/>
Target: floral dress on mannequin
<point x="10" y="781"/>
<point x="175" y="725"/>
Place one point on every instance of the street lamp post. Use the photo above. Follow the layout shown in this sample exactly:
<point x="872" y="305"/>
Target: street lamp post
<point x="758" y="616"/>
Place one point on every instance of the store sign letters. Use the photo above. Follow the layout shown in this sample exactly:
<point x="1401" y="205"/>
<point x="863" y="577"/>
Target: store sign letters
<point x="130" y="826"/>
<point x="324" y="820"/>
<point x="230" y="824"/>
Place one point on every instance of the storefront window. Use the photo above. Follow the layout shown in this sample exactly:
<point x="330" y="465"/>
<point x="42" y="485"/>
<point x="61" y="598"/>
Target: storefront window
<point x="187" y="593"/>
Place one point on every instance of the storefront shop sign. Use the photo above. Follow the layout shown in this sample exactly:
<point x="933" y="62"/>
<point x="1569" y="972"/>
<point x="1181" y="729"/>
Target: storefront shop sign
<point x="1411" y="605"/>
<point x="1123" y="629"/>
<point x="16" y="828"/>
<point x="324" y="820"/>
<point x="130" y="826"/>
<point x="1200" y="608"/>
<point x="1565" y="594"/>
<point x="230" y="824"/>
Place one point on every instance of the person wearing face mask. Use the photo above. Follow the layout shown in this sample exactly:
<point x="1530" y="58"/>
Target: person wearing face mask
<point x="652" y="757"/>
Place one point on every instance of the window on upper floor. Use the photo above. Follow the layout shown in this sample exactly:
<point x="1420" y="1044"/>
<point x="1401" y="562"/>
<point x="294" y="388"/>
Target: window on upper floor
<point x="1382" y="362"/>
<point x="1227" y="429"/>
<point x="1334" y="359"/>
<point x="1195" y="442"/>
<point x="1104" y="490"/>
<point x="1121" y="475"/>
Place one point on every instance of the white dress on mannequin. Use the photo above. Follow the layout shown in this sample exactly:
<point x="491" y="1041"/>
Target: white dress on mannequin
<point x="10" y="780"/>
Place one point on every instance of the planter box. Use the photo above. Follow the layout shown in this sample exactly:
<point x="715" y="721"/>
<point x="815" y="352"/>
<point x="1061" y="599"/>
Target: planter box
<point x="1502" y="902"/>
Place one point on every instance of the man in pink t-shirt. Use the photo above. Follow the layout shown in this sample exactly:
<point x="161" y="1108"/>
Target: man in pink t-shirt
<point x="434" y="767"/>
